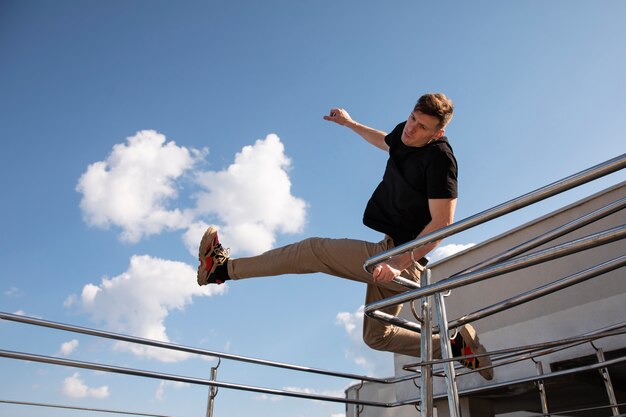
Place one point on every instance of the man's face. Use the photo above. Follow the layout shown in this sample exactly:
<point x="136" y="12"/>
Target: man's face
<point x="421" y="129"/>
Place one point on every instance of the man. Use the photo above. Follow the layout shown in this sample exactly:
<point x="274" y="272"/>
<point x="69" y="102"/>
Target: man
<point x="416" y="196"/>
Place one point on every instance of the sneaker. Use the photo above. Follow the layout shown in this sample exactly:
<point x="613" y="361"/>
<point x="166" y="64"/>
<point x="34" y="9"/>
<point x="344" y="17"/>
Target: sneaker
<point x="466" y="343"/>
<point x="211" y="255"/>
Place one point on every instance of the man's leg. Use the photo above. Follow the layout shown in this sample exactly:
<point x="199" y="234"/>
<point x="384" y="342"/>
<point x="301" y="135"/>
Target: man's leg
<point x="380" y="335"/>
<point x="339" y="257"/>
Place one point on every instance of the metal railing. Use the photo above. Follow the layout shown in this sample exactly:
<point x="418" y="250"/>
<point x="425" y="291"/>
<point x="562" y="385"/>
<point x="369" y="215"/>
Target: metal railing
<point x="432" y="294"/>
<point x="432" y="300"/>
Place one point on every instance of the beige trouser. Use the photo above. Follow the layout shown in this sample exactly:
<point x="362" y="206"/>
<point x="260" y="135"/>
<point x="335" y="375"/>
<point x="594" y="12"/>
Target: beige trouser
<point x="342" y="258"/>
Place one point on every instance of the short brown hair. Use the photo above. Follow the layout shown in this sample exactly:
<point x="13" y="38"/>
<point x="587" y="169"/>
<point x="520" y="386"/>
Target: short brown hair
<point x="437" y="105"/>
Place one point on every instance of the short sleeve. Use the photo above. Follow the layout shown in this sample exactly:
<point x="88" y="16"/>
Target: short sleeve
<point x="395" y="135"/>
<point x="442" y="175"/>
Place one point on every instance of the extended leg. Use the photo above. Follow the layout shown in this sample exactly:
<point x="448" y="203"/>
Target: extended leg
<point x="339" y="257"/>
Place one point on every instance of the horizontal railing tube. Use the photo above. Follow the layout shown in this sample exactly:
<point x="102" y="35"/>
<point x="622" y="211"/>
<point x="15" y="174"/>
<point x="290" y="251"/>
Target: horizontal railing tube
<point x="555" y="233"/>
<point x="550" y="190"/>
<point x="200" y="381"/>
<point x="164" y="345"/>
<point x="177" y="378"/>
<point x="542" y="291"/>
<point x="563" y="412"/>
<point x="597" y="334"/>
<point x="535" y="242"/>
<point x="506" y="384"/>
<point x="69" y="407"/>
<point x="186" y="349"/>
<point x="535" y="258"/>
<point x="397" y="321"/>
<point x="534" y="350"/>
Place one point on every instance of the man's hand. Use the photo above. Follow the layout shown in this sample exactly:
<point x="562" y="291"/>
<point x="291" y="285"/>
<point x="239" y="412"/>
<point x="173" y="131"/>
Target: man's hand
<point x="384" y="273"/>
<point x="339" y="116"/>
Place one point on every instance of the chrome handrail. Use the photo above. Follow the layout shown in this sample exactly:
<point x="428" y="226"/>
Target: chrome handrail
<point x="208" y="382"/>
<point x="68" y="407"/>
<point x="179" y="348"/>
<point x="176" y="378"/>
<point x="192" y="350"/>
<point x="542" y="291"/>
<point x="515" y="264"/>
<point x="549" y="236"/>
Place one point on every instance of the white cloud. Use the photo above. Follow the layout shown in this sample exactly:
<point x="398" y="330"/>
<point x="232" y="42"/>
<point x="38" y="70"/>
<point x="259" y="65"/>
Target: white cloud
<point x="70" y="301"/>
<point x="372" y="361"/>
<point x="23" y="313"/>
<point x="136" y="189"/>
<point x="444" y="251"/>
<point x="138" y="301"/>
<point x="131" y="188"/>
<point x="265" y="397"/>
<point x="160" y="392"/>
<point x="252" y="197"/>
<point x="311" y="391"/>
<point x="75" y="387"/>
<point x="352" y="322"/>
<point x="338" y="415"/>
<point x="68" y="348"/>
<point x="329" y="393"/>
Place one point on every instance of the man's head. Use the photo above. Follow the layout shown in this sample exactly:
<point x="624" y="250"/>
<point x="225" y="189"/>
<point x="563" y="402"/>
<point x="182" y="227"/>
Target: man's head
<point x="428" y="120"/>
<point x="437" y="105"/>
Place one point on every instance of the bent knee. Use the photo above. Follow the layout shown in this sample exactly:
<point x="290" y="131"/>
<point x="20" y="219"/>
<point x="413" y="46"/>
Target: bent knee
<point x="379" y="340"/>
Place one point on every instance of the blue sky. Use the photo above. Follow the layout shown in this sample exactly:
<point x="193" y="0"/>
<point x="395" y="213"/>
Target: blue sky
<point x="128" y="126"/>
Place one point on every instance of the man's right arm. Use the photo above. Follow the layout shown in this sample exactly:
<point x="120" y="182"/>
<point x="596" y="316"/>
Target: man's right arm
<point x="373" y="136"/>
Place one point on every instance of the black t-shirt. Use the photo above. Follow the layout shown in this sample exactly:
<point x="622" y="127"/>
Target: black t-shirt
<point x="399" y="205"/>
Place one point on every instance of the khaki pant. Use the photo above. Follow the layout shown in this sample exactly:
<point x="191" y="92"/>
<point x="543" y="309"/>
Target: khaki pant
<point x="342" y="258"/>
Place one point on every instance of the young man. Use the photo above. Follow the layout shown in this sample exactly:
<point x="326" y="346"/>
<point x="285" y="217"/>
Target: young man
<point x="416" y="196"/>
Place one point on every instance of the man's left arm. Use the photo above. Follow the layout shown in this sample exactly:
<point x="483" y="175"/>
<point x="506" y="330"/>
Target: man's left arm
<point x="442" y="215"/>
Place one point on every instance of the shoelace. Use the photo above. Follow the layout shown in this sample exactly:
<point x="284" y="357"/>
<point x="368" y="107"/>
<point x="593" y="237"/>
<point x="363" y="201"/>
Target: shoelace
<point x="221" y="254"/>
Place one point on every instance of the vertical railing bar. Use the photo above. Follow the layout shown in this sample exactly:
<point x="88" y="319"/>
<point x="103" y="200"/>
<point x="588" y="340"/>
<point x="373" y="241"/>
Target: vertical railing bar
<point x="541" y="386"/>
<point x="446" y="353"/>
<point x="426" y="352"/>
<point x="606" y="377"/>
<point x="212" y="390"/>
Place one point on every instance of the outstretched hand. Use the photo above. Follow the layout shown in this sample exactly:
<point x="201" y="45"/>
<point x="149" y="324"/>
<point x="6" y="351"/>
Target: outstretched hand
<point x="339" y="116"/>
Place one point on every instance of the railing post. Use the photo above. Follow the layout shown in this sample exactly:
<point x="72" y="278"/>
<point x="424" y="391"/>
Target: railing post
<point x="426" y="351"/>
<point x="446" y="353"/>
<point x="541" y="387"/>
<point x="604" y="372"/>
<point x="358" y="408"/>
<point x="212" y="390"/>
